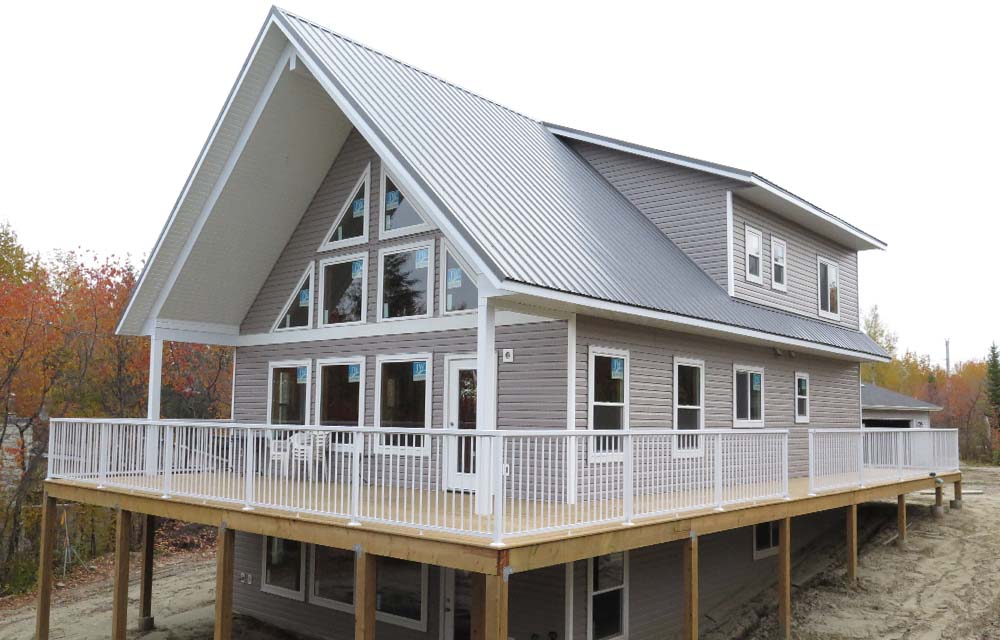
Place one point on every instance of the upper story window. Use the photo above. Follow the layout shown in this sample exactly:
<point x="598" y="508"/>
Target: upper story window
<point x="748" y="392"/>
<point x="341" y="392"/>
<point x="404" y="282"/>
<point x="779" y="264"/>
<point x="403" y="397"/>
<point x="399" y="216"/>
<point x="802" y="397"/>
<point x="350" y="227"/>
<point x="829" y="288"/>
<point x="458" y="290"/>
<point x="608" y="589"/>
<point x="689" y="407"/>
<point x="297" y="312"/>
<point x="343" y="288"/>
<point x="754" y="255"/>
<point x="288" y="392"/>
<point x="608" y="395"/>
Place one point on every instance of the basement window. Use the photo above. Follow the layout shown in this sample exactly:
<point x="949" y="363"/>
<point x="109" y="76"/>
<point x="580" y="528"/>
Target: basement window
<point x="350" y="227"/>
<point x="829" y="289"/>
<point x="284" y="568"/>
<point x="765" y="540"/>
<point x="297" y="312"/>
<point x="608" y="590"/>
<point x="404" y="283"/>
<point x="343" y="289"/>
<point x="754" y="249"/>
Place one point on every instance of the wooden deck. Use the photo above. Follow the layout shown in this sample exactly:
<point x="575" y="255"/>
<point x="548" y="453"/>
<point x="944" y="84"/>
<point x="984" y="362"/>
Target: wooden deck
<point x="410" y="523"/>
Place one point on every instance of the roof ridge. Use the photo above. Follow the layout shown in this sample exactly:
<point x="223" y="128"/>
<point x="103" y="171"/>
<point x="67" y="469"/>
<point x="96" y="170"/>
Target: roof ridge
<point x="406" y="64"/>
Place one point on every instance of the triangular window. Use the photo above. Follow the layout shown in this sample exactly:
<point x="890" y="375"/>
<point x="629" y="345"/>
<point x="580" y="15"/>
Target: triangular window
<point x="350" y="227"/>
<point x="399" y="216"/>
<point x="297" y="313"/>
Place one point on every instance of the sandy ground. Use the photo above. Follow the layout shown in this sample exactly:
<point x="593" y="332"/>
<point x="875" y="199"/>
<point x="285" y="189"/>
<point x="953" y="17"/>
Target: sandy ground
<point x="944" y="583"/>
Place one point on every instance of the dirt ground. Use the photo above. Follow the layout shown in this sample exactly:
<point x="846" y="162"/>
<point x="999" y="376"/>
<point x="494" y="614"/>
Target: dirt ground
<point x="944" y="583"/>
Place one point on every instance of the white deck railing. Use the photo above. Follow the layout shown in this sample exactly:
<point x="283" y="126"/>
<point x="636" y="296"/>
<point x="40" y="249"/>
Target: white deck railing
<point x="494" y="484"/>
<point x="841" y="458"/>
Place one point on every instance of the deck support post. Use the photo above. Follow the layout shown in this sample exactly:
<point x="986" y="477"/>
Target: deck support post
<point x="785" y="578"/>
<point x="852" y="543"/>
<point x="364" y="594"/>
<point x="119" y="607"/>
<point x="691" y="587"/>
<point x="46" y="542"/>
<point x="495" y="607"/>
<point x="938" y="509"/>
<point x="901" y="519"/>
<point x="957" y="502"/>
<point x="224" y="558"/>
<point x="486" y="394"/>
<point x="477" y="606"/>
<point x="146" y="583"/>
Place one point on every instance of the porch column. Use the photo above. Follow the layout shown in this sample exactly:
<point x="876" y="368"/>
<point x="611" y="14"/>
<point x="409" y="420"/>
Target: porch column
<point x="146" y="582"/>
<point x="852" y="543"/>
<point x="957" y="502"/>
<point x="46" y="542"/>
<point x="364" y="595"/>
<point x="153" y="404"/>
<point x="224" y="558"/>
<point x="785" y="578"/>
<point x="486" y="394"/>
<point x="119" y="607"/>
<point x="691" y="587"/>
<point x="901" y="518"/>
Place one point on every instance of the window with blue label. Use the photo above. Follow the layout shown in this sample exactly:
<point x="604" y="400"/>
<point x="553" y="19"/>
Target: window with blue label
<point x="406" y="283"/>
<point x="460" y="292"/>
<point x="403" y="399"/>
<point x="343" y="291"/>
<point x="398" y="212"/>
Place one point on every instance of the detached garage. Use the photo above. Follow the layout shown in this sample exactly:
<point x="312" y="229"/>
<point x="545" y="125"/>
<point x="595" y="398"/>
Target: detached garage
<point x="881" y="408"/>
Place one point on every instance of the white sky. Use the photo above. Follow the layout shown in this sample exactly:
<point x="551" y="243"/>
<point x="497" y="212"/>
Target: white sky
<point x="885" y="114"/>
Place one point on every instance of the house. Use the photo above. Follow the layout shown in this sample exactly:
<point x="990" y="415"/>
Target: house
<point x="494" y="377"/>
<point x="882" y="408"/>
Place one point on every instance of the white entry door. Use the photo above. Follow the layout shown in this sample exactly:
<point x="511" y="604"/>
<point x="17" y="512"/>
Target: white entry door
<point x="460" y="413"/>
<point x="457" y="623"/>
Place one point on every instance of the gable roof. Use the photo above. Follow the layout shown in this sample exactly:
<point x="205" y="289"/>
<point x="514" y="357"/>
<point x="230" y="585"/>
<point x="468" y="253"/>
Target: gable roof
<point x="531" y="214"/>
<point x="875" y="397"/>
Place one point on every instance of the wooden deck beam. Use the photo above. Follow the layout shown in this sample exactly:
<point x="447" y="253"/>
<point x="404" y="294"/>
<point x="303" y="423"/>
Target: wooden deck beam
<point x="691" y="588"/>
<point x="785" y="578"/>
<point x="901" y="518"/>
<point x="852" y="543"/>
<point x="146" y="582"/>
<point x="365" y="572"/>
<point x="225" y="551"/>
<point x="46" y="542"/>
<point x="119" y="607"/>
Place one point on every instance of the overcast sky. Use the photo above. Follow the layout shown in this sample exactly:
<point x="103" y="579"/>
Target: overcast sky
<point x="885" y="114"/>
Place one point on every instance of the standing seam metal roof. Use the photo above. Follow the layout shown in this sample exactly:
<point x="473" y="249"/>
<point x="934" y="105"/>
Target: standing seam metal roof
<point x="534" y="208"/>
<point x="876" y="397"/>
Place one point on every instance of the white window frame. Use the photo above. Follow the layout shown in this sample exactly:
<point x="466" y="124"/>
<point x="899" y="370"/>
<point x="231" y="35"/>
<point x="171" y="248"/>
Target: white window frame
<point x="307" y="274"/>
<point x="750" y="424"/>
<point x="428" y="407"/>
<point x="770" y="550"/>
<point x="418" y="625"/>
<point x="448" y="250"/>
<point x="405" y="231"/>
<point x="591" y="593"/>
<point x="320" y="302"/>
<point x="299" y="595"/>
<point x="332" y="362"/>
<point x="748" y="231"/>
<point x="819" y="288"/>
<point x="403" y="248"/>
<point x="802" y="419"/>
<point x="328" y="243"/>
<point x="608" y="352"/>
<point x="692" y="452"/>
<point x="286" y="364"/>
<point x="777" y="242"/>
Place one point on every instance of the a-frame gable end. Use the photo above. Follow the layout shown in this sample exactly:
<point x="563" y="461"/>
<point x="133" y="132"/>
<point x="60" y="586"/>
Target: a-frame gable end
<point x="362" y="192"/>
<point x="301" y="298"/>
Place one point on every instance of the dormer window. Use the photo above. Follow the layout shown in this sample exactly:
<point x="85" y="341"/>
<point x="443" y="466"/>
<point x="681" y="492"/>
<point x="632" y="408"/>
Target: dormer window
<point x="829" y="289"/>
<point x="754" y="250"/>
<point x="779" y="264"/>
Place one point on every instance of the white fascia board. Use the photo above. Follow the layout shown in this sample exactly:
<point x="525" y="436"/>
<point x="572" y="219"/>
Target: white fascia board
<point x="876" y="407"/>
<point x="689" y="323"/>
<point x="407" y="179"/>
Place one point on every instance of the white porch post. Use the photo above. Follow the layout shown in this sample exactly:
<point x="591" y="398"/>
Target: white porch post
<point x="486" y="399"/>
<point x="153" y="404"/>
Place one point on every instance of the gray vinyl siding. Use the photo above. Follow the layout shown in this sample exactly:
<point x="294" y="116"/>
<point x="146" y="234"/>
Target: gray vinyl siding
<point x="803" y="249"/>
<point x="337" y="187"/>
<point x="834" y="384"/>
<point x="531" y="390"/>
<point x="688" y="206"/>
<point x="537" y="600"/>
<point x="728" y="577"/>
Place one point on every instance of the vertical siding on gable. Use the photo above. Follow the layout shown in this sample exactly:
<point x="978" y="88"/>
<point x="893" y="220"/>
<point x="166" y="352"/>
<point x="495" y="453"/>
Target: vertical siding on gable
<point x="688" y="206"/>
<point x="835" y="386"/>
<point x="803" y="246"/>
